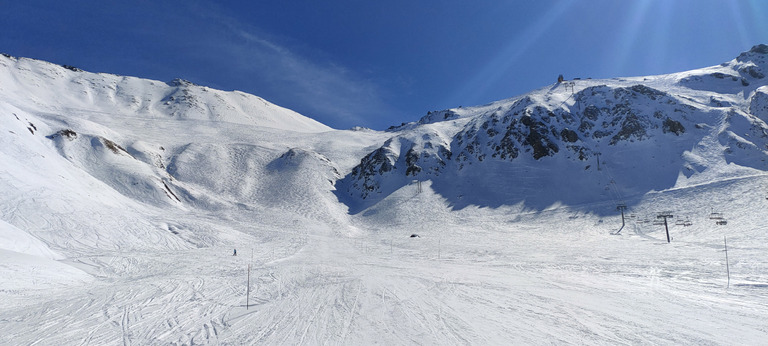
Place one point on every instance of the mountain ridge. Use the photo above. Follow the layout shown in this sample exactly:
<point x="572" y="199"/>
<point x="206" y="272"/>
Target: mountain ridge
<point x="593" y="119"/>
<point x="103" y="92"/>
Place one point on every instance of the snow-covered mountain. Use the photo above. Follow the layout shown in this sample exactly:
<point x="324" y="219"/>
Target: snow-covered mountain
<point x="571" y="141"/>
<point x="122" y="199"/>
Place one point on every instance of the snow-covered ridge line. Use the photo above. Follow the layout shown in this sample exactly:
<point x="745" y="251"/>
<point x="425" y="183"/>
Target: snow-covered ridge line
<point x="56" y="88"/>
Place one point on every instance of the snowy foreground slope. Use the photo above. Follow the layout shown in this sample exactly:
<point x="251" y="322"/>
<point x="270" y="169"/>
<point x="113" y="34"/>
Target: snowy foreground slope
<point x="123" y="199"/>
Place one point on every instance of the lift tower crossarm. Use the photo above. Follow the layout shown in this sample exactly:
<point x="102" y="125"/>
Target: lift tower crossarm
<point x="665" y="216"/>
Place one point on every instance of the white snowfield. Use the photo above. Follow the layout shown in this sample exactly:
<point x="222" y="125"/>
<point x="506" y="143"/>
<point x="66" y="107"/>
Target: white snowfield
<point x="122" y="201"/>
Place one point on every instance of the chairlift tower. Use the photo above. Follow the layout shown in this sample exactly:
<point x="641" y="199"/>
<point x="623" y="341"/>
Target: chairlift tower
<point x="570" y="85"/>
<point x="418" y="185"/>
<point x="621" y="207"/>
<point x="664" y="216"/>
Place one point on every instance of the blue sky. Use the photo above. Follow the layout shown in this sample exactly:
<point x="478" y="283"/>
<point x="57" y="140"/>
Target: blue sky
<point x="379" y="63"/>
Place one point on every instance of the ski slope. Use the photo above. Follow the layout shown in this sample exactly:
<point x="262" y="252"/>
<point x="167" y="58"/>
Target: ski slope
<point x="120" y="213"/>
<point x="487" y="279"/>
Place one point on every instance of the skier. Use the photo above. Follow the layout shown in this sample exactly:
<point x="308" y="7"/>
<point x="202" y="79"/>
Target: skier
<point x="235" y="253"/>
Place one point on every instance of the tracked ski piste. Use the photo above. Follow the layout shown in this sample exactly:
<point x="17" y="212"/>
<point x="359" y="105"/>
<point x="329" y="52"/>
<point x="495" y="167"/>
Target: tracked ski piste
<point x="479" y="280"/>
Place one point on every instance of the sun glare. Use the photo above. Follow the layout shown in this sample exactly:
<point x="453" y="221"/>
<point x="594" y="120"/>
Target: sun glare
<point x="507" y="56"/>
<point x="636" y="15"/>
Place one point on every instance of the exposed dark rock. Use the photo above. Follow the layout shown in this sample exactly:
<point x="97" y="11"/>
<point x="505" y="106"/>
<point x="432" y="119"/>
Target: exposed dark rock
<point x="600" y="134"/>
<point x="569" y="135"/>
<point x="585" y="125"/>
<point x="71" y="68"/>
<point x="673" y="126"/>
<point x="379" y="159"/>
<point x="507" y="148"/>
<point x="591" y="112"/>
<point x="650" y="92"/>
<point x="180" y="82"/>
<point x="631" y="127"/>
<point x="537" y="138"/>
<point x="753" y="71"/>
<point x="582" y="151"/>
<point x="69" y="134"/>
<point x="759" y="49"/>
<point x="445" y="153"/>
<point x="114" y="147"/>
<point x="411" y="157"/>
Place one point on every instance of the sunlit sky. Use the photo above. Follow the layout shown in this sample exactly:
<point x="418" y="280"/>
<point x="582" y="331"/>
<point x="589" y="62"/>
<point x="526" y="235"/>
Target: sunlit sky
<point x="379" y="63"/>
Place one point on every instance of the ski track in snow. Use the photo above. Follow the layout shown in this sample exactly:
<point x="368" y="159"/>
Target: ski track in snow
<point x="488" y="287"/>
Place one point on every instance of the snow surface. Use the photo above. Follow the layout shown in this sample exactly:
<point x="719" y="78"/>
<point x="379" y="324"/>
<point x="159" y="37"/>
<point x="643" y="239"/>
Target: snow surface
<point x="123" y="200"/>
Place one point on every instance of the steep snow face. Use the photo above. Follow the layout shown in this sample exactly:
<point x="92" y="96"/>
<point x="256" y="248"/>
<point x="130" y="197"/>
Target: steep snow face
<point x="581" y="141"/>
<point x="758" y="103"/>
<point x="59" y="89"/>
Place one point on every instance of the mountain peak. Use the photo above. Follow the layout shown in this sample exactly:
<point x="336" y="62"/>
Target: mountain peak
<point x="759" y="49"/>
<point x="757" y="54"/>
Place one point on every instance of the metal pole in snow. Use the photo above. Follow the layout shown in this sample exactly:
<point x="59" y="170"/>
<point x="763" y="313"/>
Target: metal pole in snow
<point x="665" y="216"/>
<point x="598" y="160"/>
<point x="727" y="266"/>
<point x="621" y="207"/>
<point x="248" y="289"/>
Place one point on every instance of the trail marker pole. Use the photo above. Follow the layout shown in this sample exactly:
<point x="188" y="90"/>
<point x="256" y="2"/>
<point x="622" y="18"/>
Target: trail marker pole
<point x="248" y="289"/>
<point x="727" y="266"/>
<point x="665" y="216"/>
